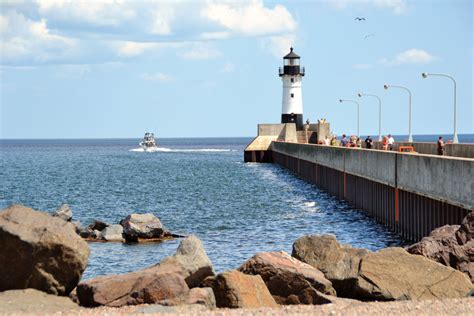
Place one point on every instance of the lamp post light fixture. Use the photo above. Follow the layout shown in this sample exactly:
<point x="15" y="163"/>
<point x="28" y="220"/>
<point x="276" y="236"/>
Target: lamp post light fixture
<point x="360" y="95"/>
<point x="425" y="75"/>
<point x="358" y="117"/>
<point x="386" y="86"/>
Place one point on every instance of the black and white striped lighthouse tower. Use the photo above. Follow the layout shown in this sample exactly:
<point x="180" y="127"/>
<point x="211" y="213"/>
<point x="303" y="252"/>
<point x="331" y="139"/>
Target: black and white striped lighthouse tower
<point x="292" y="102"/>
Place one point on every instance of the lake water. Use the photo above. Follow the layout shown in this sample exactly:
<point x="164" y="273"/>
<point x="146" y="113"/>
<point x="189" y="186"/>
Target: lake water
<point x="195" y="186"/>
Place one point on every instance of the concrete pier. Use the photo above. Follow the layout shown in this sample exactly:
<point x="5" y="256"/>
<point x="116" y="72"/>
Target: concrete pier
<point x="410" y="193"/>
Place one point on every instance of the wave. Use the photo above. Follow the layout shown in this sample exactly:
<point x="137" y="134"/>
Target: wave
<point x="162" y="149"/>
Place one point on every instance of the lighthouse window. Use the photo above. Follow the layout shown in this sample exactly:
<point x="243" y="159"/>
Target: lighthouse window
<point x="292" y="79"/>
<point x="292" y="95"/>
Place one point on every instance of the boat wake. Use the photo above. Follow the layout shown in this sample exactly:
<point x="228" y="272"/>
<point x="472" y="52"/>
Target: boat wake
<point x="163" y="149"/>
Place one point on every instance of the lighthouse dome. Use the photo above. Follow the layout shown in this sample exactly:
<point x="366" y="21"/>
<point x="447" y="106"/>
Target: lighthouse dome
<point x="291" y="55"/>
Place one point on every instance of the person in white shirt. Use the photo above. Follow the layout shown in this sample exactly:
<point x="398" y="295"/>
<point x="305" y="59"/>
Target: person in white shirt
<point x="327" y="142"/>
<point x="391" y="141"/>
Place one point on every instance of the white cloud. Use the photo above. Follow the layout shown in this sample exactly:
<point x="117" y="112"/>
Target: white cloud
<point x="200" y="51"/>
<point x="410" y="56"/>
<point x="24" y="38"/>
<point x="130" y="49"/>
<point x="228" y="67"/>
<point x="161" y="77"/>
<point x="280" y="45"/>
<point x="362" y="66"/>
<point x="162" y="19"/>
<point x="397" y="6"/>
<point x="250" y="17"/>
<point x="102" y="13"/>
<point x="214" y="35"/>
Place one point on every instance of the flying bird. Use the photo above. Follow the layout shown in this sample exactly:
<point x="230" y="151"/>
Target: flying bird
<point x="369" y="35"/>
<point x="359" y="19"/>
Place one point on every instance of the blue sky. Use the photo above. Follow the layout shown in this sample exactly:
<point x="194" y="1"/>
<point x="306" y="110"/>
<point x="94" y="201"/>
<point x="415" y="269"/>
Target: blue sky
<point x="101" y="69"/>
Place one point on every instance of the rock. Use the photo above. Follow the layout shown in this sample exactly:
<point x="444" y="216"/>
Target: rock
<point x="442" y="245"/>
<point x="98" y="225"/>
<point x="112" y="233"/>
<point x="147" y="286"/>
<point x="39" y="251"/>
<point x="394" y="274"/>
<point x="466" y="231"/>
<point x="64" y="212"/>
<point x="193" y="260"/>
<point x="142" y="226"/>
<point x="208" y="282"/>
<point x="195" y="296"/>
<point x="31" y="301"/>
<point x="235" y="289"/>
<point x="289" y="280"/>
<point x="339" y="263"/>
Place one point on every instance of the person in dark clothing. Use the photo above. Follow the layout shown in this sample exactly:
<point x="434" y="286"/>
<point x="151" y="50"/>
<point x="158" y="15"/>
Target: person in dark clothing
<point x="440" y="146"/>
<point x="368" y="142"/>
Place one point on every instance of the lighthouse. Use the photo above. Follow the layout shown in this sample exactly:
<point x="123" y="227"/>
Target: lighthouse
<point x="292" y="103"/>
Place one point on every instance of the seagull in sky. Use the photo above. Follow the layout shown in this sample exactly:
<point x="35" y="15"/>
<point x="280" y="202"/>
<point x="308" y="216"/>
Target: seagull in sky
<point x="359" y="19"/>
<point x="369" y="35"/>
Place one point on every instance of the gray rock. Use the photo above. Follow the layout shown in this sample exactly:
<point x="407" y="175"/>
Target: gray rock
<point x="193" y="260"/>
<point x="39" y="251"/>
<point x="339" y="263"/>
<point x="64" y="212"/>
<point x="34" y="302"/>
<point x="142" y="226"/>
<point x="112" y="233"/>
<point x="394" y="274"/>
<point x="466" y="231"/>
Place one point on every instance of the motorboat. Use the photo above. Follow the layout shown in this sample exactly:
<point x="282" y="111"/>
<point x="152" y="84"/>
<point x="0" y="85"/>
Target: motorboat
<point x="148" y="143"/>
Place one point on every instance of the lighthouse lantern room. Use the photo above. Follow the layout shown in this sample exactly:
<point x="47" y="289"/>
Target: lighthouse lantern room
<point x="292" y="103"/>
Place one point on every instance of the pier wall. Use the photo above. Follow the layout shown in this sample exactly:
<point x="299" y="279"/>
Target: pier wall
<point x="412" y="194"/>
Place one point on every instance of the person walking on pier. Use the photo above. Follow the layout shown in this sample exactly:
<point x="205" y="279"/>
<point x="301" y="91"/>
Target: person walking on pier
<point x="344" y="141"/>
<point x="385" y="143"/>
<point x="334" y="141"/>
<point x="358" y="143"/>
<point x="440" y="146"/>
<point x="368" y="142"/>
<point x="391" y="141"/>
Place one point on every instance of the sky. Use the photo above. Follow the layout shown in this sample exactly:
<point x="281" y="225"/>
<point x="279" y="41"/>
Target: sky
<point x="117" y="69"/>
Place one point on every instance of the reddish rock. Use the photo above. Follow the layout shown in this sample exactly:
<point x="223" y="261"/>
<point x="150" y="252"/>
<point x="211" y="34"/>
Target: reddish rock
<point x="195" y="296"/>
<point x="466" y="231"/>
<point x="39" y="251"/>
<point x="234" y="289"/>
<point x="289" y="280"/>
<point x="442" y="245"/>
<point x="148" y="286"/>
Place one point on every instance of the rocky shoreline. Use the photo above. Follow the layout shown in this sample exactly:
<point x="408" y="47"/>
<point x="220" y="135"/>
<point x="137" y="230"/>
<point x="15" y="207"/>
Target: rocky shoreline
<point x="42" y="258"/>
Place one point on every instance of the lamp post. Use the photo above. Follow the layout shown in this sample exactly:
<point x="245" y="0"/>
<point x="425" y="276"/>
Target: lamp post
<point x="425" y="75"/>
<point x="410" y="137"/>
<point x="380" y="111"/>
<point x="358" y="118"/>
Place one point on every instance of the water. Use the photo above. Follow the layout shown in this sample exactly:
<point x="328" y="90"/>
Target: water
<point x="195" y="186"/>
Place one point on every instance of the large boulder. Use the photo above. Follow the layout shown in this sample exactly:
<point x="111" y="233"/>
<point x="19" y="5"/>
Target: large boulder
<point x="112" y="233"/>
<point x="64" y="212"/>
<point x="39" y="251"/>
<point x="234" y="289"/>
<point x="339" y="263"/>
<point x="142" y="226"/>
<point x="193" y="260"/>
<point x="394" y="274"/>
<point x="289" y="280"/>
<point x="147" y="286"/>
<point x="442" y="245"/>
<point x="34" y="302"/>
